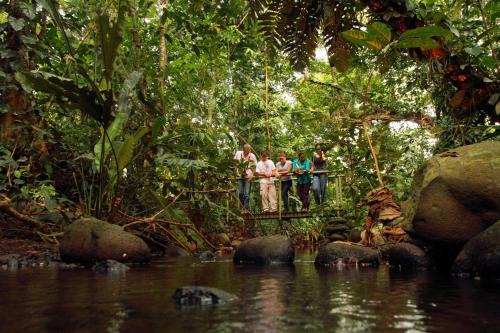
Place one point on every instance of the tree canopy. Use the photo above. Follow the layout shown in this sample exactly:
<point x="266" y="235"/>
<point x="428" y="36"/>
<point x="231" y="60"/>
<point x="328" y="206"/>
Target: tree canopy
<point x="140" y="105"/>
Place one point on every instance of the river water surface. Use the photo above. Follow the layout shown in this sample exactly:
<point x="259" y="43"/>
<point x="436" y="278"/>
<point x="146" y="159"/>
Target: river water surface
<point x="271" y="299"/>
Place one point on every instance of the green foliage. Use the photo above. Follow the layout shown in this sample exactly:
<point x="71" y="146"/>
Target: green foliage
<point x="176" y="129"/>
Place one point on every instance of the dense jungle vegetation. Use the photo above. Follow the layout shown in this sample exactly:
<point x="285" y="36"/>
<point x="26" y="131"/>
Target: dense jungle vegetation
<point x="133" y="109"/>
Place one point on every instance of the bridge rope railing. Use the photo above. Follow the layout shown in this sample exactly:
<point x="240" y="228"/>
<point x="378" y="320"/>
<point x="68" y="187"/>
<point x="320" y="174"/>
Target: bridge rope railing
<point x="337" y="201"/>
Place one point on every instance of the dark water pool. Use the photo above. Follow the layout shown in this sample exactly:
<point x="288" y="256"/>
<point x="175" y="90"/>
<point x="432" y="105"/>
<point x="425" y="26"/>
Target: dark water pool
<point x="271" y="299"/>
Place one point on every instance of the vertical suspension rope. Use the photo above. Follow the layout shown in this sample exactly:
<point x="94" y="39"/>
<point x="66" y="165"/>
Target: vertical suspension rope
<point x="266" y="98"/>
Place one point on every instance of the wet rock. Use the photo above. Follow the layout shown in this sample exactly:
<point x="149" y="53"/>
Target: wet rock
<point x="110" y="266"/>
<point x="335" y="253"/>
<point x="338" y="220"/>
<point x="407" y="256"/>
<point x="481" y="255"/>
<point x="337" y="237"/>
<point x="197" y="295"/>
<point x="334" y="229"/>
<point x="64" y="265"/>
<point x="223" y="239"/>
<point x="10" y="261"/>
<point x="456" y="194"/>
<point x="235" y="243"/>
<point x="88" y="240"/>
<point x="355" y="235"/>
<point x="175" y="251"/>
<point x="265" y="250"/>
<point x="206" y="256"/>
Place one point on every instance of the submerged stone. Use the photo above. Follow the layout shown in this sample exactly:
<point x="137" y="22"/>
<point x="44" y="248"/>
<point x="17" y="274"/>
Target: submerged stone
<point x="197" y="295"/>
<point x="265" y="250"/>
<point x="110" y="266"/>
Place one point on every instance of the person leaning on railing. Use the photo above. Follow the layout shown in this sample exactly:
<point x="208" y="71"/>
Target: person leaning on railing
<point x="245" y="169"/>
<point x="303" y="168"/>
<point x="266" y="170"/>
<point x="284" y="168"/>
<point x="320" y="177"/>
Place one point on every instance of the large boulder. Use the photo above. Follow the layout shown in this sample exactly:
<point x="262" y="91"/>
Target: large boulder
<point x="407" y="256"/>
<point x="265" y="250"/>
<point x="341" y="253"/>
<point x="456" y="194"/>
<point x="481" y="255"/>
<point x="88" y="240"/>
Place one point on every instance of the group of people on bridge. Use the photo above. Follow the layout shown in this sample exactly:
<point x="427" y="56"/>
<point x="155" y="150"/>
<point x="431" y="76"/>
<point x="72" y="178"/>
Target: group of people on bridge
<point x="307" y="172"/>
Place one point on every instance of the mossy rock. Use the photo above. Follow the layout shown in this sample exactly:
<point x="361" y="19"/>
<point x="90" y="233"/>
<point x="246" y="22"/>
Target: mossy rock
<point x="481" y="255"/>
<point x="265" y="250"/>
<point x="456" y="194"/>
<point x="88" y="240"/>
<point x="334" y="253"/>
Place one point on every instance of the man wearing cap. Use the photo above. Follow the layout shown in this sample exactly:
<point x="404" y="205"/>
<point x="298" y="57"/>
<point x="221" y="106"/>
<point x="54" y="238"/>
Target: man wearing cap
<point x="247" y="161"/>
<point x="266" y="170"/>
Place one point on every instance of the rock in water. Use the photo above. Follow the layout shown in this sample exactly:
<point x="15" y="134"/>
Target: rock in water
<point x="195" y="295"/>
<point x="88" y="240"/>
<point x="206" y="256"/>
<point x="335" y="254"/>
<point x="265" y="250"/>
<point x="407" y="256"/>
<point x="481" y="255"/>
<point x="110" y="266"/>
<point x="456" y="194"/>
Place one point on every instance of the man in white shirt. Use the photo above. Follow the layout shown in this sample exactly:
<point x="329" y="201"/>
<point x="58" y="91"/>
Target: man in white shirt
<point x="266" y="170"/>
<point x="246" y="161"/>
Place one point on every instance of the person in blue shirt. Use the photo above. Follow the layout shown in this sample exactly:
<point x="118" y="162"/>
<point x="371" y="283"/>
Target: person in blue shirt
<point x="303" y="168"/>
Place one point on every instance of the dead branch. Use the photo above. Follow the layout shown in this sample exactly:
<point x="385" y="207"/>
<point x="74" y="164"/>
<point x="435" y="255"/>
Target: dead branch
<point x="6" y="208"/>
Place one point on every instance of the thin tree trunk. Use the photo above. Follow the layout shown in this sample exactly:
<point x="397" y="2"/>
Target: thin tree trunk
<point x="266" y="98"/>
<point x="163" y="55"/>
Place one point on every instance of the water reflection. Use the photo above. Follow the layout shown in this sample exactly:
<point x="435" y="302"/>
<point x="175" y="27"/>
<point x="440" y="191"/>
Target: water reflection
<point x="271" y="299"/>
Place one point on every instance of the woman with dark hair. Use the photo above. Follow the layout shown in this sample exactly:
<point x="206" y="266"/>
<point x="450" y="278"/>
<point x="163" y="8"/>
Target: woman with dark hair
<point x="303" y="168"/>
<point x="284" y="168"/>
<point x="320" y="177"/>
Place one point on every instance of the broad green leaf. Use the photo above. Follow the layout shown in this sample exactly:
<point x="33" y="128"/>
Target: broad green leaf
<point x="361" y="38"/>
<point x="426" y="32"/>
<point x="106" y="139"/>
<point x="110" y="36"/>
<point x="157" y="127"/>
<point x="116" y="126"/>
<point x="381" y="31"/>
<point x="355" y="36"/>
<point x="125" y="153"/>
<point x="375" y="44"/>
<point x="16" y="24"/>
<point x="27" y="10"/>
<point x="4" y="17"/>
<point x="426" y="43"/>
<point x="475" y="51"/>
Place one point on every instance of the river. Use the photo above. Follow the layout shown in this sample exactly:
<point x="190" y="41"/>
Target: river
<point x="271" y="299"/>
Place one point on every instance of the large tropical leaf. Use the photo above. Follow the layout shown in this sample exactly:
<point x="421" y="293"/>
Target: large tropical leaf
<point x="380" y="31"/>
<point x="116" y="126"/>
<point x="126" y="150"/>
<point x="110" y="36"/>
<point x="427" y="43"/>
<point x="426" y="32"/>
<point x="64" y="90"/>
